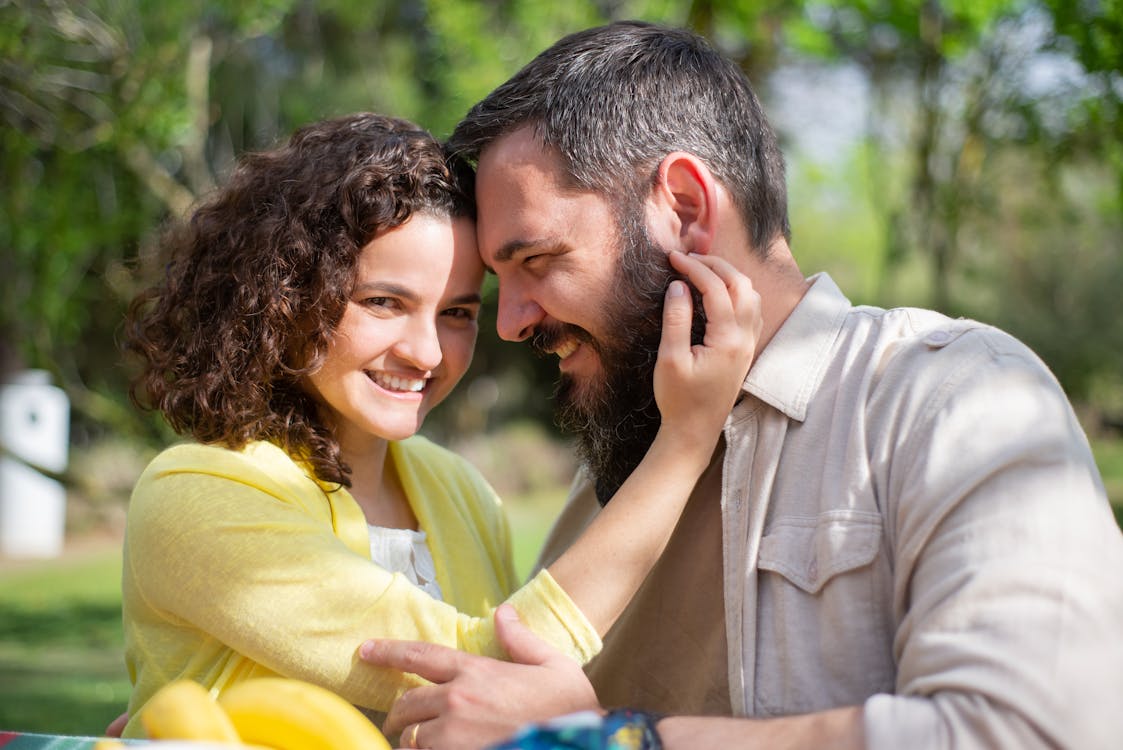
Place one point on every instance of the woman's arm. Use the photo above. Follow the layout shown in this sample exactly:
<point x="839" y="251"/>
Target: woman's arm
<point x="218" y="562"/>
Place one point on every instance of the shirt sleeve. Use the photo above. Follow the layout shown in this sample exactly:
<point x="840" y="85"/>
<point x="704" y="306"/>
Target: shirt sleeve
<point x="272" y="582"/>
<point x="1007" y="567"/>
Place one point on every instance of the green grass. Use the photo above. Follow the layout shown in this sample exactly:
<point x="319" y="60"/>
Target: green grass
<point x="531" y="517"/>
<point x="61" y="664"/>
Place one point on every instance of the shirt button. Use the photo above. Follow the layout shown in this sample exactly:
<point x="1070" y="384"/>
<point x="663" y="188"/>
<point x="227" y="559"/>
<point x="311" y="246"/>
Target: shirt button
<point x="937" y="338"/>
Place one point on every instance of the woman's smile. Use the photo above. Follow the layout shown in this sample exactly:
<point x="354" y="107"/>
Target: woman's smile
<point x="397" y="383"/>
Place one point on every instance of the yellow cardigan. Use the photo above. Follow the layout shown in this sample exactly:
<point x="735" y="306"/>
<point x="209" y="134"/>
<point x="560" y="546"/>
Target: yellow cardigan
<point x="239" y="564"/>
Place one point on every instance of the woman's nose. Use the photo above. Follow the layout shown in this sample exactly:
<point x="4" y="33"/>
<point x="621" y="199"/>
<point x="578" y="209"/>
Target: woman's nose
<point x="421" y="346"/>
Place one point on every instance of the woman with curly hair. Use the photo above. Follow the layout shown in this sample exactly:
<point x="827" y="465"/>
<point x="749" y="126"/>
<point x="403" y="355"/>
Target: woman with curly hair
<point x="312" y="312"/>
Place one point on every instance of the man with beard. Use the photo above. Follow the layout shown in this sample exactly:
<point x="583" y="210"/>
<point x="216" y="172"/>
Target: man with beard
<point x="615" y="418"/>
<point x="902" y="539"/>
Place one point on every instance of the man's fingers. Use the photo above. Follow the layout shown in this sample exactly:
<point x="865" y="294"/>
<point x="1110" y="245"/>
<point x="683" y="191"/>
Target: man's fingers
<point x="434" y="663"/>
<point x="522" y="645"/>
<point x="414" y="707"/>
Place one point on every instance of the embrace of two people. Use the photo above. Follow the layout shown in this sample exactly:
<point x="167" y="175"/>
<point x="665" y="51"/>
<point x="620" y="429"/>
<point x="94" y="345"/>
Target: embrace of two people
<point x="798" y="523"/>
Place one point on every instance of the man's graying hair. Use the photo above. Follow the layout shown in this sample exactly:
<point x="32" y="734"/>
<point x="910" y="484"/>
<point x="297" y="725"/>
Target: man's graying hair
<point x="615" y="100"/>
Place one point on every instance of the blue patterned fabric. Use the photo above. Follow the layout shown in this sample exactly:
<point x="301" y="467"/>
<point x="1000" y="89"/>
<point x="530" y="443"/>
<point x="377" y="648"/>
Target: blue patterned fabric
<point x="623" y="729"/>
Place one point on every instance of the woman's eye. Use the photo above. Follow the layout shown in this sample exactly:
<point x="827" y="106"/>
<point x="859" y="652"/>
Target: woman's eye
<point x="380" y="302"/>
<point x="461" y="313"/>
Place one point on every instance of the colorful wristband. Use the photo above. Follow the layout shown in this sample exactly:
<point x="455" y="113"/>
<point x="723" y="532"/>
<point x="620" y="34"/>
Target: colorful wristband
<point x="621" y="729"/>
<point x="631" y="729"/>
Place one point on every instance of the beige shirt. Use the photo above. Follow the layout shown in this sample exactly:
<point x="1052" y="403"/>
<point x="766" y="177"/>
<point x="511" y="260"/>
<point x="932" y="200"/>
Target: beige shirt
<point x="910" y="519"/>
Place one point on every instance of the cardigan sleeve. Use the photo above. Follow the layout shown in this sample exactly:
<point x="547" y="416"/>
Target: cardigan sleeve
<point x="270" y="580"/>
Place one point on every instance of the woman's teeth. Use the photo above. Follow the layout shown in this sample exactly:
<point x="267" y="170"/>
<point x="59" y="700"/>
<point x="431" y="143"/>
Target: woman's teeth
<point x="395" y="383"/>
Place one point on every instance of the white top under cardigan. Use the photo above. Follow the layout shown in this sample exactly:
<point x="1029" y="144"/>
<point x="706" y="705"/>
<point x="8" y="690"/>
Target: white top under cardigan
<point x="405" y="551"/>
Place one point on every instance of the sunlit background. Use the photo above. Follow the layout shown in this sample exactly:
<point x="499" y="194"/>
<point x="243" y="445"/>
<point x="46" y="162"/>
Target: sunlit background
<point x="963" y="155"/>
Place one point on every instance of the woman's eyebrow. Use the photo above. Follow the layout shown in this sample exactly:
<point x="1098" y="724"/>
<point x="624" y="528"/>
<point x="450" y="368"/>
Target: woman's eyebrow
<point x="395" y="290"/>
<point x="468" y="299"/>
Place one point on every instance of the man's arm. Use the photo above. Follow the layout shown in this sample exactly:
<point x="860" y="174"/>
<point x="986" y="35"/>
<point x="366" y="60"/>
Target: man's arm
<point x="1005" y="556"/>
<point x="477" y="701"/>
<point x="838" y="728"/>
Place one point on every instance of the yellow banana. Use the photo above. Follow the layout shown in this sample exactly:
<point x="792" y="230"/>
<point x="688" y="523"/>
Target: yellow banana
<point x="109" y="744"/>
<point x="184" y="710"/>
<point x="291" y="714"/>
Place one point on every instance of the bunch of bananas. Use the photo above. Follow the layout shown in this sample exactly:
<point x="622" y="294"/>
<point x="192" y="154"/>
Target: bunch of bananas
<point x="268" y="712"/>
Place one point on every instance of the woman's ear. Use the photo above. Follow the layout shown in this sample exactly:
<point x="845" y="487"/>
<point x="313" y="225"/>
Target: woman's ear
<point x="682" y="206"/>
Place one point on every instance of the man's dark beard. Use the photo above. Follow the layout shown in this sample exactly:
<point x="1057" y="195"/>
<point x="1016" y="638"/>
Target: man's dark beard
<point x="616" y="420"/>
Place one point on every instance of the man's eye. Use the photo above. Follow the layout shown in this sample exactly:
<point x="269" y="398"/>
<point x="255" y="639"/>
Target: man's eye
<point x="380" y="302"/>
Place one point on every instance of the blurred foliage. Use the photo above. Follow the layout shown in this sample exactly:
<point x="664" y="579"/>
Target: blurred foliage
<point x="986" y="179"/>
<point x="993" y="158"/>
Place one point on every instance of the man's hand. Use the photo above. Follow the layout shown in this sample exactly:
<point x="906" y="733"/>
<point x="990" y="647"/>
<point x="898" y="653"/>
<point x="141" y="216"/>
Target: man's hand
<point x="477" y="701"/>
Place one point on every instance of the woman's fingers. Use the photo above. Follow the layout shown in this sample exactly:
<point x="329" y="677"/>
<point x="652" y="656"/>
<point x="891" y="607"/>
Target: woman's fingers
<point x="732" y="305"/>
<point x="696" y="385"/>
<point x="678" y="308"/>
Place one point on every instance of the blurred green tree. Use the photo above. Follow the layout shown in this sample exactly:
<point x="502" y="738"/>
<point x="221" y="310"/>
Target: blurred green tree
<point x="995" y="157"/>
<point x="119" y="114"/>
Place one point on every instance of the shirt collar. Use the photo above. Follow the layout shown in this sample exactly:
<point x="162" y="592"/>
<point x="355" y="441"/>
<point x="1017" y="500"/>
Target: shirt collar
<point x="790" y="369"/>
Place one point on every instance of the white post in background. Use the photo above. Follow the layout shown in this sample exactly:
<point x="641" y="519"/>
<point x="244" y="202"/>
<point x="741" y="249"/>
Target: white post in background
<point x="35" y="427"/>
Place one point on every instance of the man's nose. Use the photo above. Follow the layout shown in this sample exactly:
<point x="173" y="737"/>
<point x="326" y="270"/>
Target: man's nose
<point x="517" y="316"/>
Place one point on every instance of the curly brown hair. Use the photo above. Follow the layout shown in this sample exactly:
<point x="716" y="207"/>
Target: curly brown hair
<point x="259" y="277"/>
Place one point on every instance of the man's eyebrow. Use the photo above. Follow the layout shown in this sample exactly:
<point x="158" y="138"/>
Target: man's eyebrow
<point x="509" y="250"/>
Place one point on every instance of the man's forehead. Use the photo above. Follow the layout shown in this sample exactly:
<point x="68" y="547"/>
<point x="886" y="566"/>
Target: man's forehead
<point x="522" y="141"/>
<point x="521" y="154"/>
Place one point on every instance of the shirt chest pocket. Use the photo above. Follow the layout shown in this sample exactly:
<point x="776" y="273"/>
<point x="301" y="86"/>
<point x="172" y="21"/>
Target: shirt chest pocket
<point x="823" y="619"/>
<point x="810" y="550"/>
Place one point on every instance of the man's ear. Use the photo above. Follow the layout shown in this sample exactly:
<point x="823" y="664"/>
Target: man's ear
<point x="682" y="206"/>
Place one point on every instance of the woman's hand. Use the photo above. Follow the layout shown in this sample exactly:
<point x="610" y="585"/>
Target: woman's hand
<point x="696" y="385"/>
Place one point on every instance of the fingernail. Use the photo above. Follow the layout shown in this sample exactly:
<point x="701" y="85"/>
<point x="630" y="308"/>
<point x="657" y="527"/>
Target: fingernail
<point x="676" y="289"/>
<point x="366" y="648"/>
